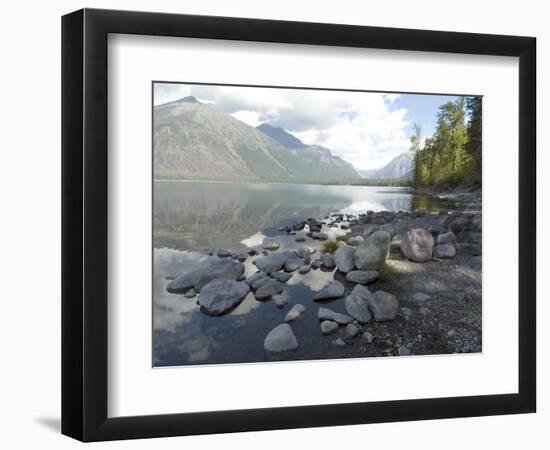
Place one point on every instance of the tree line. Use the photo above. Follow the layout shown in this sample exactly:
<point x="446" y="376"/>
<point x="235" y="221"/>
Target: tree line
<point x="452" y="156"/>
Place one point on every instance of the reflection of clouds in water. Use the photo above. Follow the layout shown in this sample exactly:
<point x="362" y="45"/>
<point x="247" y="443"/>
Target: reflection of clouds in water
<point x="170" y="310"/>
<point x="314" y="279"/>
<point x="247" y="305"/>
<point x="255" y="239"/>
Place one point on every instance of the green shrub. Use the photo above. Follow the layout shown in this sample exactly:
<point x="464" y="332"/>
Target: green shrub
<point x="330" y="246"/>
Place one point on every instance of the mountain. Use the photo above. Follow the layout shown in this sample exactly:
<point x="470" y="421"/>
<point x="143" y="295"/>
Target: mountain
<point x="281" y="136"/>
<point x="319" y="156"/>
<point x="193" y="140"/>
<point x="399" y="167"/>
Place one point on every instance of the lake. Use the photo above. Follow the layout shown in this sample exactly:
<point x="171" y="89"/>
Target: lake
<point x="192" y="217"/>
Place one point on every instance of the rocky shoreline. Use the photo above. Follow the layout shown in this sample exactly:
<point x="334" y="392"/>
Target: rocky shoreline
<point x="409" y="282"/>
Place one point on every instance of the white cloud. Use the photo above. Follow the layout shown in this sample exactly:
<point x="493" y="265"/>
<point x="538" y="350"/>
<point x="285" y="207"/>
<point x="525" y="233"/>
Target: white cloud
<point x="361" y="127"/>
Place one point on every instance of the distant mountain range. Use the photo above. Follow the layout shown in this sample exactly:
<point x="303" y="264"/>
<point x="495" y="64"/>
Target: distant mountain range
<point x="399" y="167"/>
<point x="194" y="140"/>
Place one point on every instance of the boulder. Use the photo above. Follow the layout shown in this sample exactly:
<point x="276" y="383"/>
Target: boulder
<point x="444" y="251"/>
<point x="271" y="263"/>
<point x="304" y="253"/>
<point x="335" y="289"/>
<point x="446" y="238"/>
<point x="270" y="244"/>
<point x="369" y="229"/>
<point x="220" y="296"/>
<point x="227" y="269"/>
<point x="280" y="339"/>
<point x="293" y="263"/>
<point x="355" y="240"/>
<point x="358" y="308"/>
<point x="319" y="236"/>
<point x="329" y="314"/>
<point x="383" y="306"/>
<point x="296" y="312"/>
<point x="283" y="277"/>
<point x="417" y="245"/>
<point x="327" y="261"/>
<point x="362" y="276"/>
<point x="362" y="292"/>
<point x="268" y="290"/>
<point x="371" y="254"/>
<point x="343" y="258"/>
<point x="315" y="264"/>
<point x="223" y="253"/>
<point x="352" y="330"/>
<point x="304" y="269"/>
<point x="328" y="327"/>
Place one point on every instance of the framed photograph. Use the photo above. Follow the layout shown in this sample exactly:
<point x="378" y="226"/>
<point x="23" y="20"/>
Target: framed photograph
<point x="273" y="224"/>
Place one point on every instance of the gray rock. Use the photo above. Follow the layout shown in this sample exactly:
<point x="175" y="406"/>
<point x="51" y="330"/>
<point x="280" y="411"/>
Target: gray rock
<point x="328" y="327"/>
<point x="362" y="292"/>
<point x="319" y="236"/>
<point x="405" y="312"/>
<point x="420" y="297"/>
<point x="355" y="240"/>
<point x="343" y="258"/>
<point x="335" y="289"/>
<point x="270" y="244"/>
<point x="304" y="253"/>
<point x="296" y="312"/>
<point x="293" y="263"/>
<point x="300" y="238"/>
<point x="358" y="308"/>
<point x="403" y="351"/>
<point x="425" y="311"/>
<point x="383" y="306"/>
<point x="220" y="268"/>
<point x="283" y="277"/>
<point x="327" y="261"/>
<point x="184" y="282"/>
<point x="315" y="264"/>
<point x="362" y="276"/>
<point x="444" y="251"/>
<point x="371" y="254"/>
<point x="280" y="339"/>
<point x="271" y="263"/>
<point x="268" y="290"/>
<point x="221" y="295"/>
<point x="339" y="342"/>
<point x="329" y="314"/>
<point x="459" y="224"/>
<point x="280" y="300"/>
<point x="352" y="330"/>
<point x="253" y="279"/>
<point x="367" y="337"/>
<point x="446" y="238"/>
<point x="417" y="245"/>
<point x="190" y="293"/>
<point x="223" y="253"/>
<point x="369" y="229"/>
<point x="304" y="269"/>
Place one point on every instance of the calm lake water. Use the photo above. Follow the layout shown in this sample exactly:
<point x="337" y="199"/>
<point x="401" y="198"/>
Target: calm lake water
<point x="190" y="217"/>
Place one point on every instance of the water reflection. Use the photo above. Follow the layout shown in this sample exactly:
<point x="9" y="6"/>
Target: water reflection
<point x="195" y="215"/>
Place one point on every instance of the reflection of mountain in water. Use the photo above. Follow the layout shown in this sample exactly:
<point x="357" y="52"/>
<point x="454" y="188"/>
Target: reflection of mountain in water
<point x="194" y="215"/>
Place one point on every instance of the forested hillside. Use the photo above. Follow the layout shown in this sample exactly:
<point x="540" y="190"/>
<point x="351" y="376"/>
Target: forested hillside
<point x="452" y="156"/>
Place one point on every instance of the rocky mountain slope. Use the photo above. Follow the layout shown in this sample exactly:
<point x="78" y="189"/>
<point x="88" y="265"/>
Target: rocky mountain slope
<point x="193" y="140"/>
<point x="399" y="167"/>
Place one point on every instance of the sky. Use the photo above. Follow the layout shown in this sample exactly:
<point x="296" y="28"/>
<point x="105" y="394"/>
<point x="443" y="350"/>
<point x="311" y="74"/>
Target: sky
<point x="367" y="129"/>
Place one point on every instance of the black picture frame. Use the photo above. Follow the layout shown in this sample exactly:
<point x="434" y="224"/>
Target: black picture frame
<point x="84" y="224"/>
